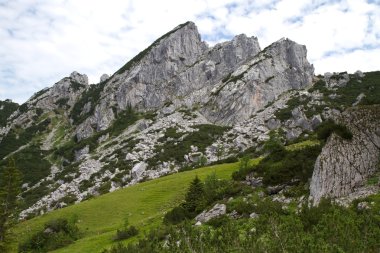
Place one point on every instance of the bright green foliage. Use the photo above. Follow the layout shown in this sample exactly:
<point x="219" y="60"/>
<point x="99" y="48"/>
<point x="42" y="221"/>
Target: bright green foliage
<point x="10" y="187"/>
<point x="56" y="233"/>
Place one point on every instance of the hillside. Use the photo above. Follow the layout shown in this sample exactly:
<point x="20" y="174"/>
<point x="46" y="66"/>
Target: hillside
<point x="178" y="106"/>
<point x="144" y="204"/>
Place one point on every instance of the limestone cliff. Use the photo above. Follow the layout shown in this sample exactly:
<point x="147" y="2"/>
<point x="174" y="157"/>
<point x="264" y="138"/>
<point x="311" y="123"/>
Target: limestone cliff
<point x="345" y="165"/>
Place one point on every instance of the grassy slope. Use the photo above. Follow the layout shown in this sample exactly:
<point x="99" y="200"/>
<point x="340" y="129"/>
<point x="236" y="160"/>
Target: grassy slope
<point x="144" y="204"/>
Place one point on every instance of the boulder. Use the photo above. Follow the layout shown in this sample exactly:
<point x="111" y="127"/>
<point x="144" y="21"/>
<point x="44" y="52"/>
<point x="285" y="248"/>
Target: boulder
<point x="216" y="211"/>
<point x="138" y="170"/>
<point x="81" y="153"/>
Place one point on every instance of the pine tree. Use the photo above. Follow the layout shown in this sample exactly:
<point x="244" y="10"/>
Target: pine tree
<point x="10" y="187"/>
<point x="195" y="196"/>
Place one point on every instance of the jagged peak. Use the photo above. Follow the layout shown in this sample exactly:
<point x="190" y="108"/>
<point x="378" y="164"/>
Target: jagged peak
<point x="80" y="78"/>
<point x="180" y="29"/>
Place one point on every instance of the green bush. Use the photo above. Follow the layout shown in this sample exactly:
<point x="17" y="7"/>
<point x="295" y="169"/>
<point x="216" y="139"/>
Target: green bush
<point x="283" y="166"/>
<point x="218" y="221"/>
<point x="123" y="234"/>
<point x="176" y="215"/>
<point x="326" y="128"/>
<point x="55" y="234"/>
<point x="241" y="205"/>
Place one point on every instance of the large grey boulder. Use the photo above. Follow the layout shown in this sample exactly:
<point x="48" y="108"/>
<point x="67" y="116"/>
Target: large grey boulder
<point x="216" y="211"/>
<point x="344" y="165"/>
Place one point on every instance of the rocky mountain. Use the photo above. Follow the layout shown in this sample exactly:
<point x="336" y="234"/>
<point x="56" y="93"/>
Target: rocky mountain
<point x="178" y="104"/>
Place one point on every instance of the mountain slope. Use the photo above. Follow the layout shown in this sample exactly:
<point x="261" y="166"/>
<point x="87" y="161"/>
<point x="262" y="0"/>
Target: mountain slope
<point x="179" y="104"/>
<point x="144" y="204"/>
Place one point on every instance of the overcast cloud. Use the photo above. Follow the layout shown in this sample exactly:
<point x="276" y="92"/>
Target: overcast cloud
<point x="42" y="41"/>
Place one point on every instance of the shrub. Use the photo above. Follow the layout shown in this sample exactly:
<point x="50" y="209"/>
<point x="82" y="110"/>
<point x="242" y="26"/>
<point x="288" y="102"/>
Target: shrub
<point x="126" y="233"/>
<point x="195" y="199"/>
<point x="104" y="188"/>
<point x="326" y="128"/>
<point x="283" y="166"/>
<point x="55" y="234"/>
<point x="176" y="215"/>
<point x="241" y="205"/>
<point x="218" y="221"/>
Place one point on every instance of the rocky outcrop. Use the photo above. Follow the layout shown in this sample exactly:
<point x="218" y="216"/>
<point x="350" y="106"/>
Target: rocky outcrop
<point x="216" y="211"/>
<point x="345" y="165"/>
<point x="280" y="67"/>
<point x="230" y="81"/>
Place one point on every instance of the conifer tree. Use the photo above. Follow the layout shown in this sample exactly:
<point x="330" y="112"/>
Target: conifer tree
<point x="195" y="196"/>
<point x="10" y="187"/>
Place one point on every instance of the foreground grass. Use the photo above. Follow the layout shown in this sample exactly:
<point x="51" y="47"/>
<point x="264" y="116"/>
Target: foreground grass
<point x="144" y="204"/>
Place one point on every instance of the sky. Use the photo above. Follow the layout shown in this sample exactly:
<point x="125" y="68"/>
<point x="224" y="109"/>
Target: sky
<point x="42" y="41"/>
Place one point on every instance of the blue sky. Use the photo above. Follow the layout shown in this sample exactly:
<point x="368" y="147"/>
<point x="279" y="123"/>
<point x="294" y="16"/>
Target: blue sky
<point x="42" y="41"/>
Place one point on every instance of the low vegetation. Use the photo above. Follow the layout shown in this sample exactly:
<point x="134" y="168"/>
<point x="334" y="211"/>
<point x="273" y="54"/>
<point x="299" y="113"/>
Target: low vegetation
<point x="176" y="150"/>
<point x="7" y="107"/>
<point x="144" y="204"/>
<point x="55" y="234"/>
<point x="327" y="228"/>
<point x="283" y="164"/>
<point x="329" y="126"/>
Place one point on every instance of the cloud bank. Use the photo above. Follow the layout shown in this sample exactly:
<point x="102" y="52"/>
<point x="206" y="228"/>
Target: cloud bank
<point x="42" y="41"/>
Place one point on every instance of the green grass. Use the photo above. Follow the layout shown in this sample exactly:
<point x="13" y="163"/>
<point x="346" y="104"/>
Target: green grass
<point x="144" y="204"/>
<point x="302" y="144"/>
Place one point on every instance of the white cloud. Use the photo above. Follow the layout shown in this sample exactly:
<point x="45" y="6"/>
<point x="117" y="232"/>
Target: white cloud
<point x="42" y="41"/>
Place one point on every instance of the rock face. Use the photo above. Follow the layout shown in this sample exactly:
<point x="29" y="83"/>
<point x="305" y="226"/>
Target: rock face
<point x="232" y="79"/>
<point x="345" y="165"/>
<point x="216" y="211"/>
<point x="279" y="67"/>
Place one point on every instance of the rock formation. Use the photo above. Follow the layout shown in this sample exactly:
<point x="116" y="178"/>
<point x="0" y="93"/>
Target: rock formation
<point x="345" y="165"/>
